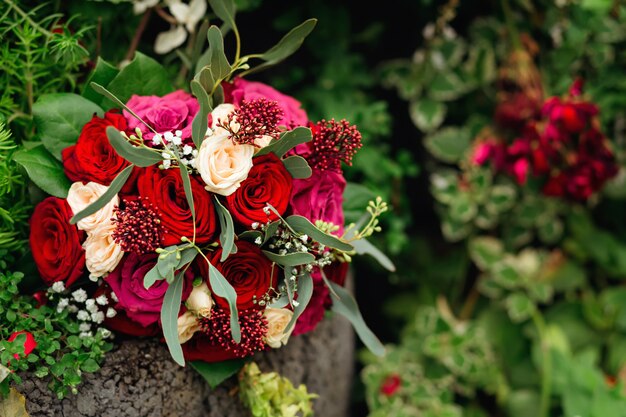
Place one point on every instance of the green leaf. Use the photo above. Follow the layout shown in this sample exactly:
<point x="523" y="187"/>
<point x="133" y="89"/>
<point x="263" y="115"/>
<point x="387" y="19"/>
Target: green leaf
<point x="141" y="157"/>
<point x="289" y="44"/>
<point x="45" y="171"/>
<point x="169" y="318"/>
<point x="448" y="144"/>
<point x="200" y="122"/>
<point x="446" y="86"/>
<point x="114" y="188"/>
<point x="305" y="291"/>
<point x="103" y="74"/>
<point x="184" y="175"/>
<point x="290" y="259"/>
<point x="218" y="61"/>
<point x="89" y="365"/>
<point x="355" y="197"/>
<point x="519" y="307"/>
<point x="485" y="251"/>
<point x="222" y="288"/>
<point x="225" y="10"/>
<point x="59" y="119"/>
<point x="167" y="261"/>
<point x="427" y="114"/>
<point x="287" y="141"/>
<point x="215" y="373"/>
<point x="303" y="225"/>
<point x="344" y="304"/>
<point x="227" y="230"/>
<point x="362" y="246"/>
<point x="298" y="167"/>
<point x="143" y="76"/>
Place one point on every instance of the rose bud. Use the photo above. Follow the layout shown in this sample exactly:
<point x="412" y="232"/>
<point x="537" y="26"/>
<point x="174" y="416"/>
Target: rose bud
<point x="277" y="321"/>
<point x="29" y="344"/>
<point x="390" y="385"/>
<point x="187" y="325"/>
<point x="200" y="300"/>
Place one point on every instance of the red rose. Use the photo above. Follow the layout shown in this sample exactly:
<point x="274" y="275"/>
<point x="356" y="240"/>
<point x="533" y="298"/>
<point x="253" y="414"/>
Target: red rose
<point x="29" y="344"/>
<point x="55" y="243"/>
<point x="268" y="182"/>
<point x="248" y="271"/>
<point x="200" y="348"/>
<point x="390" y="385"/>
<point x="164" y="189"/>
<point x="93" y="158"/>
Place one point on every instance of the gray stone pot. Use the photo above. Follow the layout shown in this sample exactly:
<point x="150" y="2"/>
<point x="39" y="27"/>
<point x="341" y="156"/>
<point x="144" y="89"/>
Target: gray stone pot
<point x="139" y="379"/>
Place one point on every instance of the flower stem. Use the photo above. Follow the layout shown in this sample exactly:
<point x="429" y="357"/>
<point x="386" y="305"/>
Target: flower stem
<point x="138" y="32"/>
<point x="546" y="365"/>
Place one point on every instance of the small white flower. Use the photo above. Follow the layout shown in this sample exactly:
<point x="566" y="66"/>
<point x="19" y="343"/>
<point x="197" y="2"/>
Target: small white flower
<point x="177" y="141"/>
<point x="258" y="240"/>
<point x="82" y="315"/>
<point x="179" y="133"/>
<point x="255" y="225"/>
<point x="84" y="335"/>
<point x="167" y="164"/>
<point x="187" y="150"/>
<point x="168" y="136"/>
<point x="97" y="317"/>
<point x="114" y="297"/>
<point x="63" y="302"/>
<point x="58" y="286"/>
<point x="157" y="139"/>
<point x="295" y="303"/>
<point x="304" y="238"/>
<point x="72" y="308"/>
<point x="84" y="327"/>
<point x="111" y="313"/>
<point x="106" y="333"/>
<point x="102" y="300"/>
<point x="91" y="306"/>
<point x="80" y="296"/>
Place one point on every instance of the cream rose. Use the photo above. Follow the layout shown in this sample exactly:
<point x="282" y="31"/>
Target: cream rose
<point x="102" y="254"/>
<point x="222" y="164"/>
<point x="277" y="321"/>
<point x="220" y="114"/>
<point x="200" y="301"/>
<point x="187" y="326"/>
<point x="82" y="195"/>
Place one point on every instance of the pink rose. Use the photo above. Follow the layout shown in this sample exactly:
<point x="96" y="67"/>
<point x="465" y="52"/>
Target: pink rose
<point x="241" y="89"/>
<point x="140" y="304"/>
<point x="319" y="197"/>
<point x="174" y="111"/>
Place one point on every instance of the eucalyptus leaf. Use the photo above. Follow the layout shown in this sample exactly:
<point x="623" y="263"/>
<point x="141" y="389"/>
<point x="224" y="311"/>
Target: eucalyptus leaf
<point x="114" y="188"/>
<point x="362" y="246"/>
<point x="344" y="304"/>
<point x="302" y="225"/>
<point x="225" y="10"/>
<point x="227" y="230"/>
<point x="200" y="122"/>
<point x="298" y="167"/>
<point x="184" y="175"/>
<point x="169" y="318"/>
<point x="206" y="79"/>
<point x="288" y="285"/>
<point x="141" y="157"/>
<point x="214" y="373"/>
<point x="218" y="61"/>
<point x="287" y="141"/>
<point x="44" y="170"/>
<point x="152" y="276"/>
<point x="167" y="261"/>
<point x="289" y="44"/>
<point x="59" y="119"/>
<point x="250" y="235"/>
<point x="270" y="231"/>
<point x="186" y="256"/>
<point x="290" y="259"/>
<point x="281" y="302"/>
<point x="222" y="288"/>
<point x="305" y="291"/>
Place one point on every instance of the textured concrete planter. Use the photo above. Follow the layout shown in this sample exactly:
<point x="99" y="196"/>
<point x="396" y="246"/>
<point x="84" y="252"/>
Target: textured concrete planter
<point x="139" y="379"/>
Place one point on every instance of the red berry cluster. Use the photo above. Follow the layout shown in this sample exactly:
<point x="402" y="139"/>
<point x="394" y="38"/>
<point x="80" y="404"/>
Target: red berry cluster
<point x="253" y="329"/>
<point x="333" y="142"/>
<point x="255" y="118"/>
<point x="137" y="226"/>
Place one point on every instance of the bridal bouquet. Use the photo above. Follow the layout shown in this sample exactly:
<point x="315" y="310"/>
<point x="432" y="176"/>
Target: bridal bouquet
<point x="211" y="218"/>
